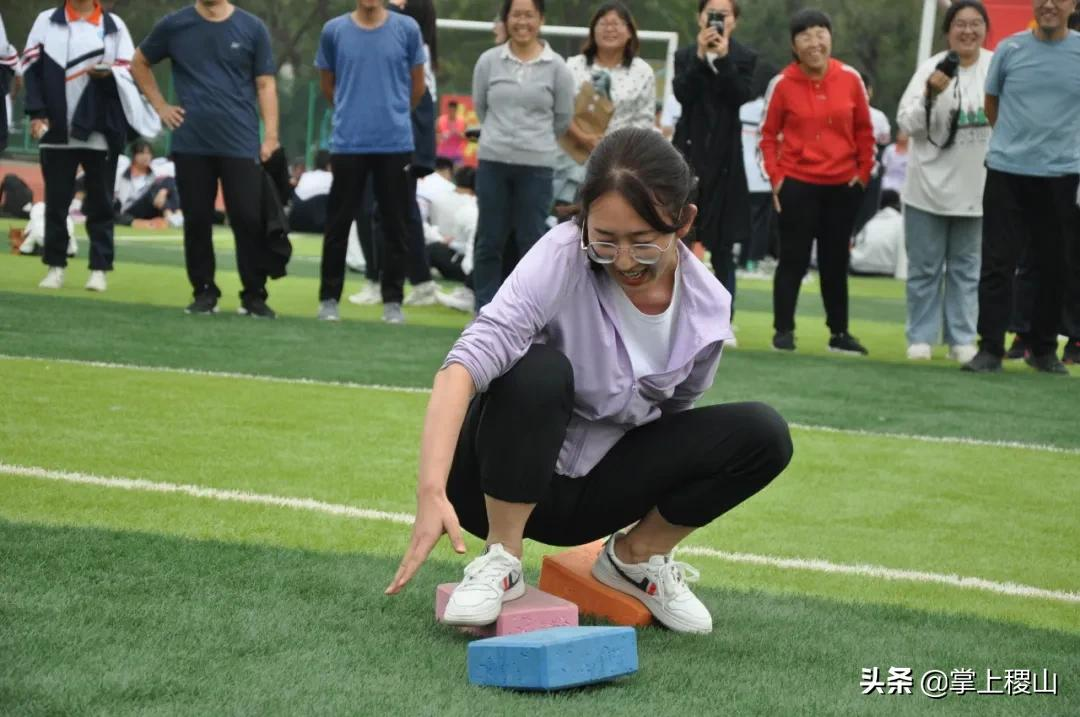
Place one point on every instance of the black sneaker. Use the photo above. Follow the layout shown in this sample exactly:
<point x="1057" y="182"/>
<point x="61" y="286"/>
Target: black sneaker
<point x="984" y="362"/>
<point x="845" y="343"/>
<point x="203" y="304"/>
<point x="1047" y="363"/>
<point x="256" y="308"/>
<point x="784" y="341"/>
<point x="1018" y="350"/>
<point x="1071" y="355"/>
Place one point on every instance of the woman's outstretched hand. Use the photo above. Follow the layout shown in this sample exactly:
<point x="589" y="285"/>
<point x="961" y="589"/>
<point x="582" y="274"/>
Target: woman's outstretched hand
<point x="435" y="515"/>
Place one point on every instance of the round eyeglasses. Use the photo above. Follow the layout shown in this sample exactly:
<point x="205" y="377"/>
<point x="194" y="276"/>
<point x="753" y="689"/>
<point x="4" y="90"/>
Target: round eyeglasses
<point x="605" y="252"/>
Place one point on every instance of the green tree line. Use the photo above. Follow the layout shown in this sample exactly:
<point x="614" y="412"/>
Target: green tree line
<point x="879" y="38"/>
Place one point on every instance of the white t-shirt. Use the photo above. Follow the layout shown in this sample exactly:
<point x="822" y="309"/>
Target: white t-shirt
<point x="430" y="191"/>
<point x="751" y="115"/>
<point x="458" y="214"/>
<point x="894" y="166"/>
<point x="947" y="182"/>
<point x="647" y="337"/>
<point x="879" y="247"/>
<point x="314" y="184"/>
<point x="882" y="128"/>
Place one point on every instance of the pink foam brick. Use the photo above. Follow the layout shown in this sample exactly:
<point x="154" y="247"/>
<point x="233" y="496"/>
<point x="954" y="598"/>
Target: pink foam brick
<point x="535" y="610"/>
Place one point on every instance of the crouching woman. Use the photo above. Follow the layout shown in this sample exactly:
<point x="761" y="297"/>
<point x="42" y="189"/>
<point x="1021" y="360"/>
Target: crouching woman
<point x="565" y="412"/>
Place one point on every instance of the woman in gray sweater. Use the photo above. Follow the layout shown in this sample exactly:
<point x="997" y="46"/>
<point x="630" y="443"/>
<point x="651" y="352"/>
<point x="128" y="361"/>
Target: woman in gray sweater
<point x="524" y="97"/>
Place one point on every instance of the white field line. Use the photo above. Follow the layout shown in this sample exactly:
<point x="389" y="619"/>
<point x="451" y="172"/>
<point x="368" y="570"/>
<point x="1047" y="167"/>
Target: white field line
<point x="219" y="374"/>
<point x="348" y="511"/>
<point x="948" y="440"/>
<point x="194" y="491"/>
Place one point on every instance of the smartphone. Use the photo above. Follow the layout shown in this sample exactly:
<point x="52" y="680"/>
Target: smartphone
<point x="715" y="19"/>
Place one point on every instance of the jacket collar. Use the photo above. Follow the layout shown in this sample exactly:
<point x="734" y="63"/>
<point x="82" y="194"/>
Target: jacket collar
<point x="65" y="15"/>
<point x="546" y="55"/>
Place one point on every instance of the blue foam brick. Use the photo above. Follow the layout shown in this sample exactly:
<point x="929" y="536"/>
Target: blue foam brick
<point x="554" y="659"/>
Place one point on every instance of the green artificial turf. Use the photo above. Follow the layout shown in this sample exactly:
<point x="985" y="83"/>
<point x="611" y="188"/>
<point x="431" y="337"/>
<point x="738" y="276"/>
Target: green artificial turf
<point x="118" y="623"/>
<point x="118" y="601"/>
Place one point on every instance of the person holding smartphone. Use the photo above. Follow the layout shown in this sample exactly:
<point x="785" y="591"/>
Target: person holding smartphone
<point x="943" y="110"/>
<point x="59" y="95"/>
<point x="817" y="144"/>
<point x="713" y="79"/>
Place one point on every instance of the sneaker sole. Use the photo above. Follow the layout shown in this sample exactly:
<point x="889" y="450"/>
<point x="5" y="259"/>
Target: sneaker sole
<point x="847" y="352"/>
<point x="201" y="313"/>
<point x="605" y="573"/>
<point x="480" y="620"/>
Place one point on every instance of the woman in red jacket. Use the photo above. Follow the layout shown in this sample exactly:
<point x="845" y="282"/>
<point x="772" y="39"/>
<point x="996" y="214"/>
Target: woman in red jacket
<point x="817" y="143"/>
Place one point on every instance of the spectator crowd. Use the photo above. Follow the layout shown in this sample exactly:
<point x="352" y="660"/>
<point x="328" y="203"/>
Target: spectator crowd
<point x="973" y="203"/>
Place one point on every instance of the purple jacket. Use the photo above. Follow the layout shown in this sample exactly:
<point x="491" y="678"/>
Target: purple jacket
<point x="553" y="297"/>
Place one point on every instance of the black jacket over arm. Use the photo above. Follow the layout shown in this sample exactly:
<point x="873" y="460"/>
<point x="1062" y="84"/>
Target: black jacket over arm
<point x="709" y="135"/>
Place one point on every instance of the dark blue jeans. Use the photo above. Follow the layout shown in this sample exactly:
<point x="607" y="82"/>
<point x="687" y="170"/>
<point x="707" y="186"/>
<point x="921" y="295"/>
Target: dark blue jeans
<point x="512" y="198"/>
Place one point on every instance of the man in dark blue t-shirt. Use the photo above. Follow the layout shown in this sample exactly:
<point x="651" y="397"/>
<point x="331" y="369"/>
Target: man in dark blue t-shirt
<point x="372" y="65"/>
<point x="223" y="68"/>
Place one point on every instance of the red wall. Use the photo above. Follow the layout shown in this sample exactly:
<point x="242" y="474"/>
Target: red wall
<point x="1007" y="17"/>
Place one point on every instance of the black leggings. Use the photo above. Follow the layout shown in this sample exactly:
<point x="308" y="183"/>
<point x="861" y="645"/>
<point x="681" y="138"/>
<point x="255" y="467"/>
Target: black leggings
<point x="825" y="213"/>
<point x="692" y="466"/>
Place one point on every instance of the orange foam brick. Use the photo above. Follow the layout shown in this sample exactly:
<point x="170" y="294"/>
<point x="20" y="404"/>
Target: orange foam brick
<point x="569" y="575"/>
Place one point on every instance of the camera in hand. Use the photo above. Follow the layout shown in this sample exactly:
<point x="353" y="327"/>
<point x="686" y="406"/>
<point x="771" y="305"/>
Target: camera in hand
<point x="715" y="20"/>
<point x="949" y="65"/>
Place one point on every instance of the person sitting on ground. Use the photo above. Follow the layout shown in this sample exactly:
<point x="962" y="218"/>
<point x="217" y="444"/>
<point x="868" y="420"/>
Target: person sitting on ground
<point x="311" y="196"/>
<point x="141" y="195"/>
<point x="564" y="413"/>
<point x="879" y="246"/>
<point x="452" y="255"/>
<point x="432" y="191"/>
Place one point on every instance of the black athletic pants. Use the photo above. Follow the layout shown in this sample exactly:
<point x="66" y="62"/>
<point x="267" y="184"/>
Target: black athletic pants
<point x="693" y="466"/>
<point x="390" y="178"/>
<point x="59" y="167"/>
<point x="143" y="207"/>
<point x="825" y="213"/>
<point x="197" y="179"/>
<point x="1034" y="217"/>
<point x="448" y="262"/>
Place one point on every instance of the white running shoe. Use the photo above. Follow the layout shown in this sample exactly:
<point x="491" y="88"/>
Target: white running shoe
<point x="962" y="354"/>
<point x="370" y="294"/>
<point x="460" y="299"/>
<point x="54" y="278"/>
<point x="96" y="282"/>
<point x="422" y="295"/>
<point x="661" y="584"/>
<point x="920" y="352"/>
<point x="490" y="580"/>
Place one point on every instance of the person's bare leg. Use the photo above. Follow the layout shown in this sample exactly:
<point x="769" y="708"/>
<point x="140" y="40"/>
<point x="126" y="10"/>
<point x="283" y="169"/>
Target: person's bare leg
<point x="506" y="523"/>
<point x="651" y="536"/>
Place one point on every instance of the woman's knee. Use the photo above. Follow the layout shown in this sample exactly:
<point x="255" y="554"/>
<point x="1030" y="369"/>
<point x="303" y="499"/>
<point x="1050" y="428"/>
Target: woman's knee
<point x="542" y="375"/>
<point x="768" y="437"/>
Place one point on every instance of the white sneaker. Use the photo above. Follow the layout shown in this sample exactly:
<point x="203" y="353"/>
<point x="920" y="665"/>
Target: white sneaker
<point x="460" y="299"/>
<point x="919" y="352"/>
<point x="660" y="584"/>
<point x="422" y="295"/>
<point x="963" y="354"/>
<point x="492" y="579"/>
<point x="96" y="282"/>
<point x="54" y="278"/>
<point x="370" y="294"/>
